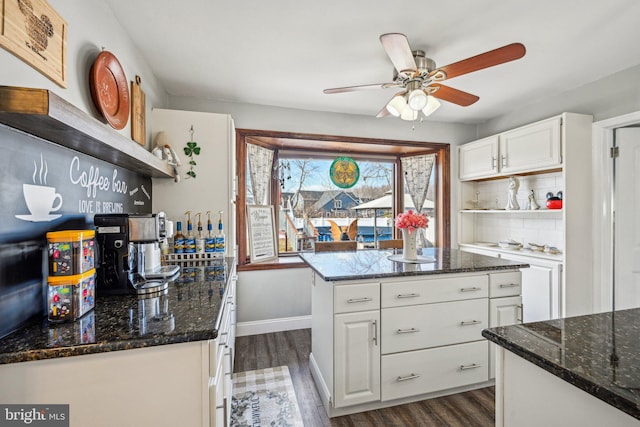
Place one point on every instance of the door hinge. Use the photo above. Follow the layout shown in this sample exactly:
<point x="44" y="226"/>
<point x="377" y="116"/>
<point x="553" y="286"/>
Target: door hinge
<point x="615" y="152"/>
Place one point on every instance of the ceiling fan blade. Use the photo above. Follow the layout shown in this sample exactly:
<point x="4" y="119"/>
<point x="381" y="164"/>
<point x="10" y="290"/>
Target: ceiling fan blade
<point x="397" y="47"/>
<point x="356" y="88"/>
<point x="452" y="95"/>
<point x="494" y="57"/>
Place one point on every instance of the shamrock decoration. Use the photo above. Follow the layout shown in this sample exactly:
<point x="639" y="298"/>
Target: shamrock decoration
<point x="190" y="150"/>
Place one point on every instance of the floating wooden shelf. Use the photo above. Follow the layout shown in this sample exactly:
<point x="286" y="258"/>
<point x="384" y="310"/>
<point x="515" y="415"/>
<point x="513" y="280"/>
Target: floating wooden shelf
<point x="44" y="114"/>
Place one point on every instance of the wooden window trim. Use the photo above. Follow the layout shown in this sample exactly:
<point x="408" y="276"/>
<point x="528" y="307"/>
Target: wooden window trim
<point x="344" y="145"/>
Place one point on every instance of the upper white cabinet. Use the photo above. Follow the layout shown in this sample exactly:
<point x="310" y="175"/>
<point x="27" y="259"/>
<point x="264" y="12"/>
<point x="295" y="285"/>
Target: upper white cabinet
<point x="535" y="147"/>
<point x="479" y="159"/>
<point x="531" y="148"/>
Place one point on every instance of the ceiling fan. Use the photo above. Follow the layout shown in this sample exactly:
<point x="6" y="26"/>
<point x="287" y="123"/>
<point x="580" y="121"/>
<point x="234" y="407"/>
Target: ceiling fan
<point x="420" y="80"/>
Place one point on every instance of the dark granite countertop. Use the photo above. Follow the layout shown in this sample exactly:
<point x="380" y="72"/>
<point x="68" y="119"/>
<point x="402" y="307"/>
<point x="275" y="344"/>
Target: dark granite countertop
<point x="598" y="353"/>
<point x="373" y="263"/>
<point x="189" y="311"/>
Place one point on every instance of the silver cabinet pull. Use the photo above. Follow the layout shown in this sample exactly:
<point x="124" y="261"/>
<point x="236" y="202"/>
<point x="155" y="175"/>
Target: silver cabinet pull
<point x="494" y="162"/>
<point x="408" y="377"/>
<point x="470" y="322"/>
<point x="472" y="289"/>
<point x="472" y="366"/>
<point x="411" y="295"/>
<point x="509" y="285"/>
<point x="375" y="332"/>
<point x="504" y="161"/>
<point x="354" y="300"/>
<point x="520" y="319"/>
<point x="407" y="331"/>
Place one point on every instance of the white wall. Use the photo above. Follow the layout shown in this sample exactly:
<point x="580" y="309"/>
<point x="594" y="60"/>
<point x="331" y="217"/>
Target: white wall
<point x="91" y="26"/>
<point x="612" y="96"/>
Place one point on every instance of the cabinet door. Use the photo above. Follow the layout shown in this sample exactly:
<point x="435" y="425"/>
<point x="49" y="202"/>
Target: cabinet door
<point x="531" y="148"/>
<point x="502" y="312"/>
<point x="357" y="358"/>
<point x="478" y="159"/>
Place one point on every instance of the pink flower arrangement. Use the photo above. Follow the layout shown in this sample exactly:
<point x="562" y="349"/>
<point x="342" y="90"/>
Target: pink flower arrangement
<point x="411" y="220"/>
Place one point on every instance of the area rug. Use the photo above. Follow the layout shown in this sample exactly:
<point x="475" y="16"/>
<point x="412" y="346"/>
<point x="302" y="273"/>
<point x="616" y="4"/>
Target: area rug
<point x="264" y="397"/>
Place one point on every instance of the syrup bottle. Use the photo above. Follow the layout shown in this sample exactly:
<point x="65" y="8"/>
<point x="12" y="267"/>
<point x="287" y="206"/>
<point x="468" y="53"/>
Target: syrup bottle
<point x="178" y="239"/>
<point x="220" y="240"/>
<point x="200" y="235"/>
<point x="190" y="240"/>
<point x="210" y="239"/>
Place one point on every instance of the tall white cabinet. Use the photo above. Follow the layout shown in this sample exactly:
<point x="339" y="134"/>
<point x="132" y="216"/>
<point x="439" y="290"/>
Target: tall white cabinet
<point x="213" y="188"/>
<point x="547" y="156"/>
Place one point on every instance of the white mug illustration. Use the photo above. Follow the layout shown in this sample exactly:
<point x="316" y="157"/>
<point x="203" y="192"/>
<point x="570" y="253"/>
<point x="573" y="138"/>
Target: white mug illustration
<point x="41" y="199"/>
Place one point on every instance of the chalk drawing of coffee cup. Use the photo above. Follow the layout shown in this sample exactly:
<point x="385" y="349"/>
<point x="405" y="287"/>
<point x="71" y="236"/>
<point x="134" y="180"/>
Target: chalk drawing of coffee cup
<point x="41" y="199"/>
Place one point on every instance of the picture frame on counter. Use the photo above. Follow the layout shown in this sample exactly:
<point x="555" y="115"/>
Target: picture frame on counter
<point x="263" y="242"/>
<point x="34" y="32"/>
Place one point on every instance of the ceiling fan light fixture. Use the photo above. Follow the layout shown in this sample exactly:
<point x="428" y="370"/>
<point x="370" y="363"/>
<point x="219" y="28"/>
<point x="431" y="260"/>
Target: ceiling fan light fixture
<point x="417" y="99"/>
<point x="397" y="105"/>
<point x="432" y="105"/>
<point x="409" y="114"/>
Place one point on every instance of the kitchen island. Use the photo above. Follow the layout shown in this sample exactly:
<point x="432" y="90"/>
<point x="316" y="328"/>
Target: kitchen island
<point x="165" y="359"/>
<point x="386" y="332"/>
<point x="582" y="370"/>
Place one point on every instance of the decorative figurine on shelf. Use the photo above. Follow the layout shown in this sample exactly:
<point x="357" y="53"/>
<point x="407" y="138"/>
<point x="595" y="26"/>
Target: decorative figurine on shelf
<point x="512" y="201"/>
<point x="533" y="205"/>
<point x="554" y="202"/>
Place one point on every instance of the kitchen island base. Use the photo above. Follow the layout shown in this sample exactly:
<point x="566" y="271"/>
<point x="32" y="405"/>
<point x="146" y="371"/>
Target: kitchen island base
<point x="523" y="388"/>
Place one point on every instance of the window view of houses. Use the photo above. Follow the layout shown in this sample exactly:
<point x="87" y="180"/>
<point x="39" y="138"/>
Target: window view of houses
<point x="313" y="208"/>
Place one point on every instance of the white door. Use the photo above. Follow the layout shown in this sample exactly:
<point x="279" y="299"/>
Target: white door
<point x="627" y="219"/>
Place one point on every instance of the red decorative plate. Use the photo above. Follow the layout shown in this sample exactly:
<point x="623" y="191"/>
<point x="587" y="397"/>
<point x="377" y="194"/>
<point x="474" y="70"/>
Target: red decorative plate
<point x="110" y="89"/>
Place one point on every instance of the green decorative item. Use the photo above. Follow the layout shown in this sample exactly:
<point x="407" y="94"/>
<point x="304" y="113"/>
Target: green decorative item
<point x="344" y="172"/>
<point x="191" y="150"/>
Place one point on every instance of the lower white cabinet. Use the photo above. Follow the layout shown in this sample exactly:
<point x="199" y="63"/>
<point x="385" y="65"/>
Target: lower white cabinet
<point x="541" y="288"/>
<point x="404" y="338"/>
<point x="357" y="362"/>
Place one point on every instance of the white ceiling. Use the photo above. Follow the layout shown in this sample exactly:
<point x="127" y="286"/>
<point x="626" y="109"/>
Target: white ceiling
<point x="285" y="52"/>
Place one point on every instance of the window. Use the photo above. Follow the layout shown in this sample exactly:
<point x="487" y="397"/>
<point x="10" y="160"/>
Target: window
<point x="306" y="202"/>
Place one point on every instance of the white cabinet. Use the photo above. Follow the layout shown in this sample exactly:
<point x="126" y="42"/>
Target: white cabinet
<point x="548" y="156"/>
<point x="479" y="159"/>
<point x="357" y="358"/>
<point x="541" y="288"/>
<point x="505" y="306"/>
<point x="531" y="148"/>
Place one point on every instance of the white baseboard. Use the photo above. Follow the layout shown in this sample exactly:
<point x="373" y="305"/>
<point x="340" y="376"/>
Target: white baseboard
<point x="272" y="325"/>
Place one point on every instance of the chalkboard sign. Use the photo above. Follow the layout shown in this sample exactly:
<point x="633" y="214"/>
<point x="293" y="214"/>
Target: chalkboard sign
<point x="44" y="184"/>
<point x="262" y="233"/>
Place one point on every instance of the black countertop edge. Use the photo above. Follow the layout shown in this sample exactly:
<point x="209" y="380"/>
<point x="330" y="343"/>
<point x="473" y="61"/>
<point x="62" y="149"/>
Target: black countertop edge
<point x="620" y="402"/>
<point x="417" y="273"/>
<point x="103" y="347"/>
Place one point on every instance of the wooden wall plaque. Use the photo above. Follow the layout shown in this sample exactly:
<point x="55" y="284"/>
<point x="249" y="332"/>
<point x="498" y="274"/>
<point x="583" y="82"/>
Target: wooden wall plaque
<point x="34" y="32"/>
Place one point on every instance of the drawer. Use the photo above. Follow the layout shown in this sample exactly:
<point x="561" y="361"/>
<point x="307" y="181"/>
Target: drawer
<point x="505" y="284"/>
<point x="434" y="290"/>
<point x="425" y="371"/>
<point x="432" y="325"/>
<point x="359" y="297"/>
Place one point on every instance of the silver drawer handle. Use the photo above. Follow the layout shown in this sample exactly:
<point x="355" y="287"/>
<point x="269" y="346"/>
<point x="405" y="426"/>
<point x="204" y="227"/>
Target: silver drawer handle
<point x="408" y="377"/>
<point x="509" y="285"/>
<point x="411" y="295"/>
<point x="407" y="331"/>
<point x="472" y="366"/>
<point x="473" y="289"/>
<point x="353" y="300"/>
<point x="471" y="322"/>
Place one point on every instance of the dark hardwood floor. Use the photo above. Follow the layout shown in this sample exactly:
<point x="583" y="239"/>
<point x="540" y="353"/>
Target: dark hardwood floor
<point x="292" y="348"/>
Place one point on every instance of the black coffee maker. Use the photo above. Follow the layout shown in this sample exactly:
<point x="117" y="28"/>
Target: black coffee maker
<point x="123" y="242"/>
